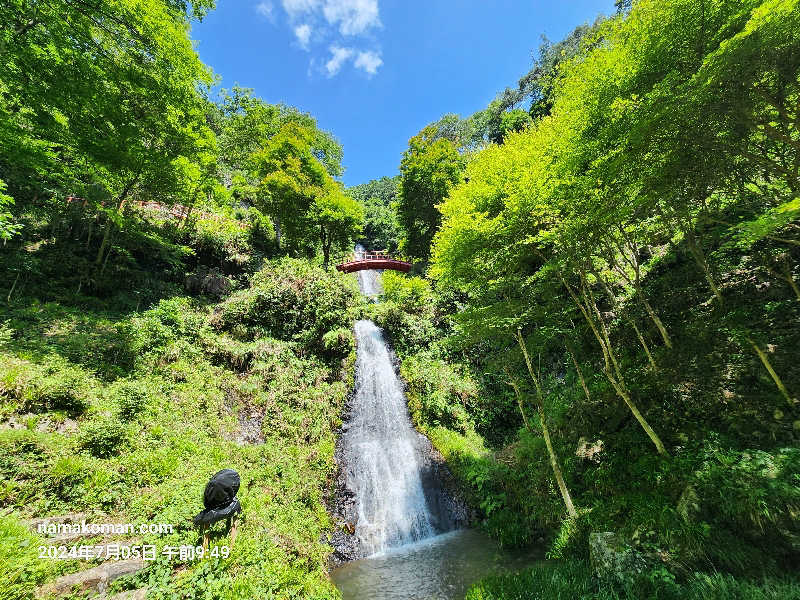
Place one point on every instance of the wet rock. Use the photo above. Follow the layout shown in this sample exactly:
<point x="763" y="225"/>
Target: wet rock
<point x="445" y="499"/>
<point x="446" y="506"/>
<point x="92" y="580"/>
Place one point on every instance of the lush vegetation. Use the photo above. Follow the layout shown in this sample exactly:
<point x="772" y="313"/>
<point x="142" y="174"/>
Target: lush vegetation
<point x="601" y="336"/>
<point x="123" y="417"/>
<point x="167" y="306"/>
<point x="606" y="338"/>
<point x="381" y="230"/>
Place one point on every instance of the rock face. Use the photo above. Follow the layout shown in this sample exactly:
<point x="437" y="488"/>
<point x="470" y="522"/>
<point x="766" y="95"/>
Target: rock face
<point x="95" y="579"/>
<point x="611" y="558"/>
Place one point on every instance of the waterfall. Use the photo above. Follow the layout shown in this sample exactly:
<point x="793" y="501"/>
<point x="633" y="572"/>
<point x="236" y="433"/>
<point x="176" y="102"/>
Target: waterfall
<point x="385" y="466"/>
<point x="393" y="487"/>
<point x="369" y="282"/>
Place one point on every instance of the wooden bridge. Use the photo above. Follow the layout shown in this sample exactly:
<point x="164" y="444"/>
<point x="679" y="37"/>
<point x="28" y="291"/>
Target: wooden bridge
<point x="373" y="260"/>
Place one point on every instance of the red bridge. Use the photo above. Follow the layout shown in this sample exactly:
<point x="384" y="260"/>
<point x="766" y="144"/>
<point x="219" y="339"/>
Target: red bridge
<point x="373" y="260"/>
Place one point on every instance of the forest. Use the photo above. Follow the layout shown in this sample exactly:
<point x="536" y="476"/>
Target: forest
<point x="600" y="334"/>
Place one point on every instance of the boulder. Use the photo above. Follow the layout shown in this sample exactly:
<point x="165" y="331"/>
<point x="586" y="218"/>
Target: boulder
<point x="94" y="580"/>
<point x="612" y="559"/>
<point x="208" y="281"/>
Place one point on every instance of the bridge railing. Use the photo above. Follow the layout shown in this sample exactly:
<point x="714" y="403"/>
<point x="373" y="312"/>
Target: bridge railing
<point x="377" y="255"/>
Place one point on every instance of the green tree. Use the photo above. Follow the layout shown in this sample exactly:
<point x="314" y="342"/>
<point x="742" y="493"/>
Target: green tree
<point x="381" y="230"/>
<point x="290" y="179"/>
<point x="135" y="110"/>
<point x="429" y="170"/>
<point x="340" y="220"/>
<point x="8" y="228"/>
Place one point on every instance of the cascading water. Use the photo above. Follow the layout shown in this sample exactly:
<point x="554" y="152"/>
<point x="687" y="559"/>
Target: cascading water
<point x="391" y="491"/>
<point x="385" y="473"/>
<point x="369" y="282"/>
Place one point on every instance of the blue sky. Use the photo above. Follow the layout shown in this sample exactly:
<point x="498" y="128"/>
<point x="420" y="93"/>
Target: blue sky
<point x="374" y="72"/>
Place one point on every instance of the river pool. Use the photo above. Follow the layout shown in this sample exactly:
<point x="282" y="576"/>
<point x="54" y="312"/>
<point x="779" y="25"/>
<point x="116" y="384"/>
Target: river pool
<point x="437" y="568"/>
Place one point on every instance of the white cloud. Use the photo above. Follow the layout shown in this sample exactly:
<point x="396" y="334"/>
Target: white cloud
<point x="352" y="16"/>
<point x="295" y="8"/>
<point x="369" y="61"/>
<point x="264" y="8"/>
<point x="339" y="56"/>
<point x="330" y="22"/>
<point x="303" y="35"/>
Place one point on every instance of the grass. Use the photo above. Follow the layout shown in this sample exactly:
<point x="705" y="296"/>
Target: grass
<point x="133" y="435"/>
<point x="572" y="580"/>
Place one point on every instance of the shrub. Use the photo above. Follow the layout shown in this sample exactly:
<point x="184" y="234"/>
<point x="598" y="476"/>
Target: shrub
<point x="223" y="241"/>
<point x="154" y="330"/>
<point x="408" y="333"/>
<point x="339" y="343"/>
<point x="103" y="437"/>
<point x="131" y="398"/>
<point x="438" y="392"/>
<point x="58" y="386"/>
<point x="291" y="300"/>
<point x="411" y="294"/>
<point x="63" y="390"/>
<point x="22" y="569"/>
<point x="573" y="579"/>
<point x="6" y="334"/>
<point x="67" y="474"/>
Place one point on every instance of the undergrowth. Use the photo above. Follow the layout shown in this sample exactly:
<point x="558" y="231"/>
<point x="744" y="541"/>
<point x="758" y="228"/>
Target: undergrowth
<point x="127" y="423"/>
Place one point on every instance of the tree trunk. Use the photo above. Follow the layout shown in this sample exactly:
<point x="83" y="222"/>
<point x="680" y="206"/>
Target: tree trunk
<point x="562" y="485"/>
<point x="105" y="262"/>
<point x="616" y="306"/>
<point x="655" y="318"/>
<point x="625" y="395"/>
<point x="110" y="224"/>
<point x="629" y="252"/>
<point x="13" y="285"/>
<point x="644" y="345"/>
<point x="587" y="306"/>
<point x="778" y="382"/>
<point x="326" y="248"/>
<point x="106" y="234"/>
<point x="578" y="370"/>
<point x="91" y="231"/>
<point x="702" y="262"/>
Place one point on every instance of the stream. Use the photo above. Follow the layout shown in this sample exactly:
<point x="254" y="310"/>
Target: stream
<point x="407" y="538"/>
